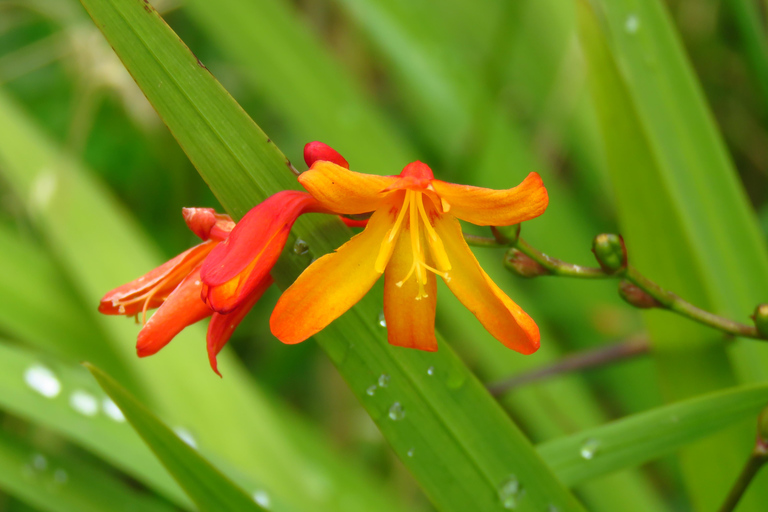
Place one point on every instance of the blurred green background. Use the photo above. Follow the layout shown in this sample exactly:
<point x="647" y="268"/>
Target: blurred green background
<point x="484" y="92"/>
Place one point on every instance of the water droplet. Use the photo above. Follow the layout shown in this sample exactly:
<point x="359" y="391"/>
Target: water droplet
<point x="371" y="390"/>
<point x="262" y="498"/>
<point x="588" y="450"/>
<point x="42" y="380"/>
<point x="186" y="436"/>
<point x="84" y="403"/>
<point x="382" y="320"/>
<point x="60" y="476"/>
<point x="632" y="24"/>
<point x="431" y="371"/>
<point x="39" y="462"/>
<point x="300" y="247"/>
<point x="552" y="508"/>
<point x="383" y="380"/>
<point x="411" y="452"/>
<point x="396" y="412"/>
<point x="510" y="491"/>
<point x="112" y="410"/>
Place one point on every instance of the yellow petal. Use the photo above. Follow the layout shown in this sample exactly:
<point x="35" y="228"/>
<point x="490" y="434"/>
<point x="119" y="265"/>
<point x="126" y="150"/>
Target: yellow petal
<point x="331" y="285"/>
<point x="410" y="321"/>
<point x="487" y="207"/>
<point x="344" y="191"/>
<point x="501" y="317"/>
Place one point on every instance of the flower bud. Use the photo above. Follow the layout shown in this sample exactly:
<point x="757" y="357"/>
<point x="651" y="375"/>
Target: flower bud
<point x="761" y="319"/>
<point x="636" y="297"/>
<point x="315" y="151"/>
<point x="610" y="252"/>
<point x="522" y="265"/>
<point x="506" y="235"/>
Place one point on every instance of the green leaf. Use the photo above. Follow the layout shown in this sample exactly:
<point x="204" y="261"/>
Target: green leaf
<point x="464" y="449"/>
<point x="65" y="483"/>
<point x="207" y="487"/>
<point x="42" y="391"/>
<point x="685" y="219"/>
<point x="643" y="437"/>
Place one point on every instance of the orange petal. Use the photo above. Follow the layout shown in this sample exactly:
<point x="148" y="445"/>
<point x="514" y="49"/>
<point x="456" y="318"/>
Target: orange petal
<point x="487" y="207"/>
<point x="410" y="322"/>
<point x="344" y="191"/>
<point x="238" y="265"/>
<point x="331" y="285"/>
<point x="498" y="313"/>
<point x="129" y="299"/>
<point x="182" y="308"/>
<point x="223" y="325"/>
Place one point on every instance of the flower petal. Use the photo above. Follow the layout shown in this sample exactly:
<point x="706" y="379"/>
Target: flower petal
<point x="182" y="308"/>
<point x="129" y="298"/>
<point x="410" y="321"/>
<point x="235" y="268"/>
<point x="223" y="325"/>
<point x="504" y="319"/>
<point x="487" y="207"/>
<point x="316" y="150"/>
<point x="344" y="191"/>
<point x="331" y="285"/>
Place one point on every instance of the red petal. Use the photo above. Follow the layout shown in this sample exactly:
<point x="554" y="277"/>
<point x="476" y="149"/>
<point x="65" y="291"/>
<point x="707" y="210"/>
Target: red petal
<point x="223" y="325"/>
<point x="127" y="299"/>
<point x="182" y="308"/>
<point x="234" y="268"/>
<point x="207" y="224"/>
<point x="315" y="151"/>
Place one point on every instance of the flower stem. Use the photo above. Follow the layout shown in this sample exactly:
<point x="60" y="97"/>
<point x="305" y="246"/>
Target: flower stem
<point x="586" y="359"/>
<point x="664" y="298"/>
<point x="757" y="459"/>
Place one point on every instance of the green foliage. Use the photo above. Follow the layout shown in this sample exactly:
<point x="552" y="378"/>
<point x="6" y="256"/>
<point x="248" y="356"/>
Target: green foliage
<point x="636" y="114"/>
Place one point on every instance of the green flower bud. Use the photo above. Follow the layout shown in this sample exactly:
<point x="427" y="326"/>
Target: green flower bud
<point x="506" y="235"/>
<point x="761" y="319"/>
<point x="610" y="252"/>
<point x="522" y="265"/>
<point x="635" y="296"/>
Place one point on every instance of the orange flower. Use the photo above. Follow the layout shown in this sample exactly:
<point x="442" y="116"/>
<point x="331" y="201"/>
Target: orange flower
<point x="174" y="288"/>
<point x="412" y="236"/>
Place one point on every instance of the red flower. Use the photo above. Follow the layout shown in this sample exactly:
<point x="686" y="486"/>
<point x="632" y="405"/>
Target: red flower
<point x="174" y="288"/>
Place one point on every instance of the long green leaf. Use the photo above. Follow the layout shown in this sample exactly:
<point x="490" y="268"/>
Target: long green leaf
<point x="643" y="437"/>
<point x="464" y="448"/>
<point x="42" y="390"/>
<point x="57" y="483"/>
<point x="207" y="487"/>
<point x="685" y="219"/>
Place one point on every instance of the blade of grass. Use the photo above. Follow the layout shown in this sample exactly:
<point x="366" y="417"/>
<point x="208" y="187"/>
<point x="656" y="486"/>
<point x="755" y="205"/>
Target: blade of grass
<point x="202" y="482"/>
<point x="24" y="374"/>
<point x="646" y="436"/>
<point x="685" y="219"/>
<point x="450" y="420"/>
<point x="57" y="483"/>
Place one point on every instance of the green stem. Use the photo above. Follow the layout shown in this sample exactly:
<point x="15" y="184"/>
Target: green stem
<point x="665" y="298"/>
<point x="756" y="460"/>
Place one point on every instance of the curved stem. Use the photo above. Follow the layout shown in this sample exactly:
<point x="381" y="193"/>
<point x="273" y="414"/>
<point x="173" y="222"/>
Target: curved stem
<point x="757" y="459"/>
<point x="558" y="267"/>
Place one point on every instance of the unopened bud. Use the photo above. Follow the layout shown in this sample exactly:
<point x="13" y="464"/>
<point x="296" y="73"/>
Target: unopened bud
<point x="523" y="265"/>
<point x="610" y="252"/>
<point x="315" y="151"/>
<point x="636" y="297"/>
<point x="761" y="319"/>
<point x="506" y="235"/>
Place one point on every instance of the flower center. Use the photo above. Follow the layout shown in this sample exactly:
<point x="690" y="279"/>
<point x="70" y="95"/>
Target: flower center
<point x="413" y="205"/>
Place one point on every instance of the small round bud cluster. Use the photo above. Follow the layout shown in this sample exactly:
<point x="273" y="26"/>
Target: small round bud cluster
<point x="523" y="265"/>
<point x="610" y="252"/>
<point x="506" y="235"/>
<point x="761" y="319"/>
<point x="635" y="296"/>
